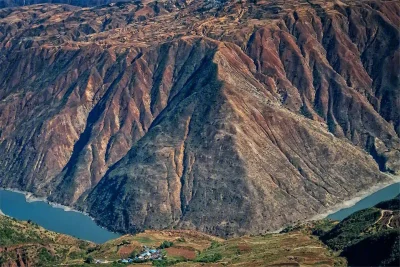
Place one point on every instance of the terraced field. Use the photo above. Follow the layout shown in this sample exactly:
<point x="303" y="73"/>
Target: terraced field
<point x="372" y="233"/>
<point x="26" y="244"/>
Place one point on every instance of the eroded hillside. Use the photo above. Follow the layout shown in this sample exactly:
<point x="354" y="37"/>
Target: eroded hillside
<point x="222" y="116"/>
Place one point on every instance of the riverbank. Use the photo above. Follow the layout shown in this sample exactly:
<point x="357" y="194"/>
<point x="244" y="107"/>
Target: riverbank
<point x="54" y="217"/>
<point x="30" y="197"/>
<point x="359" y="196"/>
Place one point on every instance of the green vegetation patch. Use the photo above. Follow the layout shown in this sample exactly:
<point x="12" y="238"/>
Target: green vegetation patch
<point x="45" y="257"/>
<point x="144" y="239"/>
<point x="392" y="204"/>
<point x="11" y="234"/>
<point x="209" y="257"/>
<point x="166" y="244"/>
<point x="352" y="229"/>
<point x="363" y="239"/>
<point x="322" y="227"/>
<point x="168" y="261"/>
<point x="381" y="249"/>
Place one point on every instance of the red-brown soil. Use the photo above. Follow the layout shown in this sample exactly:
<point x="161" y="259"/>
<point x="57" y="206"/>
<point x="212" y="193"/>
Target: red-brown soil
<point x="181" y="252"/>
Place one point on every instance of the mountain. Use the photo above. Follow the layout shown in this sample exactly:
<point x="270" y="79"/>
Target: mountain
<point x="228" y="117"/>
<point x="83" y="3"/>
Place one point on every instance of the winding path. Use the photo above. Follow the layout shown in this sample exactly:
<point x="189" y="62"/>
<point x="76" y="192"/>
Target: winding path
<point x="388" y="224"/>
<point x="383" y="212"/>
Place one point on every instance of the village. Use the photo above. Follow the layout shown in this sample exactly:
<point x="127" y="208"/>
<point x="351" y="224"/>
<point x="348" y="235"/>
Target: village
<point x="147" y="254"/>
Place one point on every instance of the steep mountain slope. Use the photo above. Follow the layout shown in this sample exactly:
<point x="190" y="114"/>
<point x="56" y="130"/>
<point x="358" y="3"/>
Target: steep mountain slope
<point x="228" y="157"/>
<point x="227" y="117"/>
<point x="84" y="3"/>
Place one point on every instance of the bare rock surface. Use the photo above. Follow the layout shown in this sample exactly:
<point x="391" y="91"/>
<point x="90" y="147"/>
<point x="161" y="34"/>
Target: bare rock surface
<point x="229" y="117"/>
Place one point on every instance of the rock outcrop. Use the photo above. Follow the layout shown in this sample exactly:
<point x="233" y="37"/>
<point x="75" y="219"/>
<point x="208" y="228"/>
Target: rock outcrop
<point x="83" y="3"/>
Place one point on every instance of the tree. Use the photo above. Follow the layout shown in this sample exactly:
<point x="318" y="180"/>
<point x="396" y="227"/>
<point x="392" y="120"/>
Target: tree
<point x="166" y="244"/>
<point x="89" y="260"/>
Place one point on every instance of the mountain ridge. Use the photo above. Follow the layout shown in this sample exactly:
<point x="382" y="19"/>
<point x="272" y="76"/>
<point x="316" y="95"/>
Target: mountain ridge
<point x="164" y="109"/>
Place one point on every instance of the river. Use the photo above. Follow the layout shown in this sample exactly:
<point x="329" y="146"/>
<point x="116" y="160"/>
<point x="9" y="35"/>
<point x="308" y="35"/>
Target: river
<point x="383" y="194"/>
<point x="15" y="204"/>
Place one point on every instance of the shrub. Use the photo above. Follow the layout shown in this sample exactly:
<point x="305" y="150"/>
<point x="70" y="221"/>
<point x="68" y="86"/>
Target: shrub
<point x="214" y="244"/>
<point x="323" y="227"/>
<point x="76" y="255"/>
<point x="209" y="258"/>
<point x="166" y="244"/>
<point x="91" y="249"/>
<point x="89" y="260"/>
<point x="45" y="256"/>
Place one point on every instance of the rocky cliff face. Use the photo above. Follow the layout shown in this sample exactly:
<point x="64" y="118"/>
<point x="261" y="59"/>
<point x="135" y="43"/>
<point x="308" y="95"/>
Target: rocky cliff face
<point x="83" y="3"/>
<point x="227" y="117"/>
